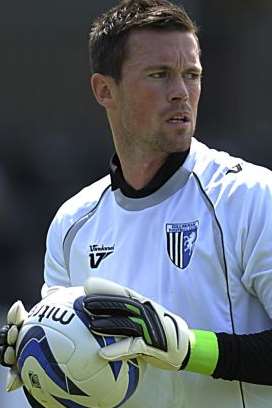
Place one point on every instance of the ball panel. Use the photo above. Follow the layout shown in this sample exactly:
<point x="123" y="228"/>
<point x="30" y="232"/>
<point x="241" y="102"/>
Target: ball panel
<point x="37" y="348"/>
<point x="63" y="345"/>
<point x="59" y="361"/>
<point x="133" y="380"/>
<point x="69" y="404"/>
<point x="38" y="383"/>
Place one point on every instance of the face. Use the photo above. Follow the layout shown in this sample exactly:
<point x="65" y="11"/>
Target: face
<point x="155" y="103"/>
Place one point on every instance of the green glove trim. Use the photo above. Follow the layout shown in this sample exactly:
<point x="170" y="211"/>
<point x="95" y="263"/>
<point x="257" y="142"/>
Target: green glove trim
<point x="204" y="352"/>
<point x="141" y="323"/>
<point x="134" y="309"/>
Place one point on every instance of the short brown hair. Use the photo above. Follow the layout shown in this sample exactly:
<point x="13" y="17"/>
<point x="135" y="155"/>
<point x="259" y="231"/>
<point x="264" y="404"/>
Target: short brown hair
<point x="109" y="33"/>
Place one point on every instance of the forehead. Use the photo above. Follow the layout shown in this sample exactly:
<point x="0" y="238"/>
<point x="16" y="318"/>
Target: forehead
<point x="152" y="47"/>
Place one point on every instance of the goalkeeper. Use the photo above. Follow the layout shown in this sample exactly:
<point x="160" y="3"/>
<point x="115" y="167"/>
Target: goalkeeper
<point x="180" y="232"/>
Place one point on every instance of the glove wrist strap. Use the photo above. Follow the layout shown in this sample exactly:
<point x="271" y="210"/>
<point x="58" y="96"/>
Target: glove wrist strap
<point x="204" y="352"/>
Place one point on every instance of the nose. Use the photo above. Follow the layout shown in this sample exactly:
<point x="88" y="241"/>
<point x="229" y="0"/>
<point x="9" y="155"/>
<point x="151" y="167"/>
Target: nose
<point x="178" y="90"/>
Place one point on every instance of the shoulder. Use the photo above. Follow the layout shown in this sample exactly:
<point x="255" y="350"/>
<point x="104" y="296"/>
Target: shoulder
<point x="87" y="198"/>
<point x="219" y="172"/>
<point x="81" y="204"/>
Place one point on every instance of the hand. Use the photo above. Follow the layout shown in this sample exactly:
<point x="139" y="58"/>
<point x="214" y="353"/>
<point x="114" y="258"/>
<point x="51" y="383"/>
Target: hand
<point x="151" y="332"/>
<point x="8" y="337"/>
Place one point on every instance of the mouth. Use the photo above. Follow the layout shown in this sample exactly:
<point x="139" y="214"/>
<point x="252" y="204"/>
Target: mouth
<point x="179" y="118"/>
<point x="180" y="121"/>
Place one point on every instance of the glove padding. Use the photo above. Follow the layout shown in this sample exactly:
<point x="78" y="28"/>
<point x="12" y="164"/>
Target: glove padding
<point x="8" y="337"/>
<point x="151" y="332"/>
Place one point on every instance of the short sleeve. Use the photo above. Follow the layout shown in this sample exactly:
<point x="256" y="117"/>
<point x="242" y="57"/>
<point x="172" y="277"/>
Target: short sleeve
<point x="55" y="271"/>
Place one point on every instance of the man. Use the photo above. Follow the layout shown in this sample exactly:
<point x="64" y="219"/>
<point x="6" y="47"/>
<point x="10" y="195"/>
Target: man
<point x="180" y="232"/>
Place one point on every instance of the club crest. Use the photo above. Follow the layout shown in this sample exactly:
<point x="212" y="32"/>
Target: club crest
<point x="181" y="239"/>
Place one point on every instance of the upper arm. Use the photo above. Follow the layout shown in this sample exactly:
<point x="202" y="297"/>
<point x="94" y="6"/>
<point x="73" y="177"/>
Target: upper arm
<point x="55" y="270"/>
<point x="257" y="248"/>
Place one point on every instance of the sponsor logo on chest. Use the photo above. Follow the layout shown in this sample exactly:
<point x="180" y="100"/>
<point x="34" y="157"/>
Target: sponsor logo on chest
<point x="181" y="239"/>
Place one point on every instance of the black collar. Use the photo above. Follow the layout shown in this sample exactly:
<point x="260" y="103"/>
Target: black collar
<point x="172" y="164"/>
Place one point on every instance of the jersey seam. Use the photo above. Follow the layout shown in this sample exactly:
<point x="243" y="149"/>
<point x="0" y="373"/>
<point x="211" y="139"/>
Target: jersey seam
<point x="225" y="267"/>
<point x="87" y="215"/>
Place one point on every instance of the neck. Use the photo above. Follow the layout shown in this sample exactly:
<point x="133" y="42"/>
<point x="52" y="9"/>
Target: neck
<point x="138" y="172"/>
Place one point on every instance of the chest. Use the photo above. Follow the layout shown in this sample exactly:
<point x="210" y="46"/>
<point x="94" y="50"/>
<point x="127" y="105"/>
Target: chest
<point x="171" y="252"/>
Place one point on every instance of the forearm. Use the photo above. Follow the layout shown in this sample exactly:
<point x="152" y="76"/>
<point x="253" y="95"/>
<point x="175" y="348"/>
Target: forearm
<point x="232" y="357"/>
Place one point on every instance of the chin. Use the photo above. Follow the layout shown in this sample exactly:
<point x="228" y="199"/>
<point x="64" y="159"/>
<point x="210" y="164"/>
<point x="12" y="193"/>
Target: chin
<point x="182" y="143"/>
<point x="174" y="142"/>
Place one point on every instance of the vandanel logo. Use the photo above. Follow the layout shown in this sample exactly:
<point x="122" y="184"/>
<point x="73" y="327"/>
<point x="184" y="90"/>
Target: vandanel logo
<point x="98" y="253"/>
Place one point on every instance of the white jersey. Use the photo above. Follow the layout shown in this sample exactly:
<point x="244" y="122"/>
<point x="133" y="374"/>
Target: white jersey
<point x="200" y="245"/>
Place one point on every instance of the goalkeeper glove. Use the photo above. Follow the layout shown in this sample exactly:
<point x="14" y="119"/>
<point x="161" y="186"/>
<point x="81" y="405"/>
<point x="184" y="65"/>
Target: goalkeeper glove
<point x="151" y="331"/>
<point x="8" y="337"/>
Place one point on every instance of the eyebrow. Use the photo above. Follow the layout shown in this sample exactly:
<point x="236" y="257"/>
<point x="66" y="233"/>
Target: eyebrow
<point x="168" y="67"/>
<point x="154" y="67"/>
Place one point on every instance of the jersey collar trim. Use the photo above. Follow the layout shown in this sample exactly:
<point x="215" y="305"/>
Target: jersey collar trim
<point x="172" y="164"/>
<point x="171" y="177"/>
<point x="174" y="184"/>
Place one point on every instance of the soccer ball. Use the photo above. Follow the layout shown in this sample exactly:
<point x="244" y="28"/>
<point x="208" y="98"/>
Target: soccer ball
<point x="58" y="358"/>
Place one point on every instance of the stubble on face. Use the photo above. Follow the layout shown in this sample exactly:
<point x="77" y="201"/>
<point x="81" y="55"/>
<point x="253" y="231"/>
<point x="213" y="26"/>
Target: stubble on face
<point x="160" y="83"/>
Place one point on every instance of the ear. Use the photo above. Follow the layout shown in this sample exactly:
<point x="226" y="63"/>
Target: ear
<point x="102" y="87"/>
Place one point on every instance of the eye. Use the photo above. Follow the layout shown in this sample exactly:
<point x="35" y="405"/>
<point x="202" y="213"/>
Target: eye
<point x="193" y="76"/>
<point x="158" y="75"/>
